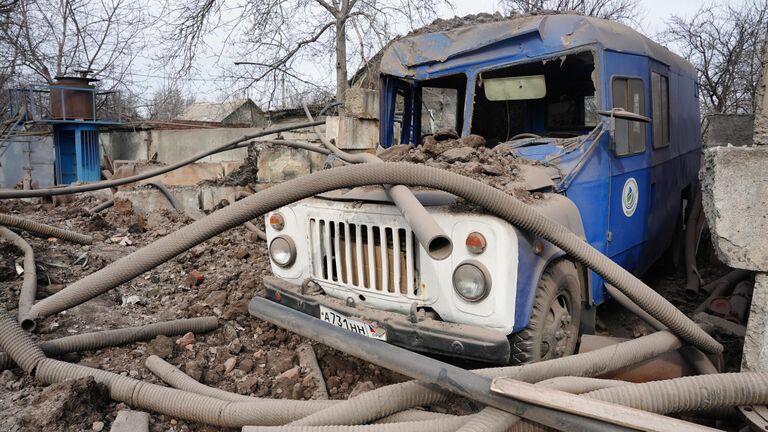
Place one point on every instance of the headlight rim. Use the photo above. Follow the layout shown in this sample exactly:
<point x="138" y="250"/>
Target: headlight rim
<point x="486" y="276"/>
<point x="291" y="249"/>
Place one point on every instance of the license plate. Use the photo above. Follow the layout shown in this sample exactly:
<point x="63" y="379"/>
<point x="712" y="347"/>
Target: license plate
<point x="357" y="326"/>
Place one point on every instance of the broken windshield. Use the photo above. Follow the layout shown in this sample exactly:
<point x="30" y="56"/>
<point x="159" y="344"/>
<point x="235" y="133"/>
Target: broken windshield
<point x="565" y="107"/>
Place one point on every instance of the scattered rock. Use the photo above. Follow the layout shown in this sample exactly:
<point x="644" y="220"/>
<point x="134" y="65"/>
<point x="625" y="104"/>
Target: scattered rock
<point x="7" y="377"/>
<point x="235" y="347"/>
<point x="185" y="340"/>
<point x="445" y="134"/>
<point x="229" y="364"/>
<point x="194" y="278"/>
<point x="161" y="346"/>
<point x="194" y="369"/>
<point x="134" y="300"/>
<point x="216" y="298"/>
<point x="98" y="426"/>
<point x="461" y="154"/>
<point x="246" y="365"/>
<point x="242" y="252"/>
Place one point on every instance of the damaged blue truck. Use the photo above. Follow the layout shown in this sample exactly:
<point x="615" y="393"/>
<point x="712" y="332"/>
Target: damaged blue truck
<point x="610" y="123"/>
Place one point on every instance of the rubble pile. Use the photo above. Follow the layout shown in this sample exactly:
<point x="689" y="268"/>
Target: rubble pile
<point x="217" y="278"/>
<point x="498" y="167"/>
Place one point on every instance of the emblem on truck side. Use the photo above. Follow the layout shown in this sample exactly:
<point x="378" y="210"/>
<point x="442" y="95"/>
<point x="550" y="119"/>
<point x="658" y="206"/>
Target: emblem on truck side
<point x="629" y="197"/>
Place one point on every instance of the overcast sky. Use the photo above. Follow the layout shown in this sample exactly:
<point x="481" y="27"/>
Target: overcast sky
<point x="209" y="84"/>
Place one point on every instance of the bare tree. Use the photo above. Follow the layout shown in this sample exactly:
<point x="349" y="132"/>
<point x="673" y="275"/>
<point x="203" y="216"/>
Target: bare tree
<point x="281" y="39"/>
<point x="724" y="43"/>
<point x="168" y="103"/>
<point x="617" y="10"/>
<point x="48" y="38"/>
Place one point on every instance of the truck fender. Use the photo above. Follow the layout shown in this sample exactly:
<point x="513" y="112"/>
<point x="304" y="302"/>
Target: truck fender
<point x="531" y="264"/>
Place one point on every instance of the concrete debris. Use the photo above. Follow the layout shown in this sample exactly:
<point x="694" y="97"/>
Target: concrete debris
<point x="736" y="205"/>
<point x="130" y="421"/>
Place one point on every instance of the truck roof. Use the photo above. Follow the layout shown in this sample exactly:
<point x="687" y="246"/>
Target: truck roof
<point x="429" y="53"/>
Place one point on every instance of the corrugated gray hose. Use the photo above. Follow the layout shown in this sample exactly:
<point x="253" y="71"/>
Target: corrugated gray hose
<point x="250" y="226"/>
<point x="690" y="394"/>
<point x="494" y="200"/>
<point x="179" y="380"/>
<point x="43" y="229"/>
<point x="29" y="283"/>
<point x="730" y="389"/>
<point x="398" y="397"/>
<point x="175" y="403"/>
<point x="108" y="338"/>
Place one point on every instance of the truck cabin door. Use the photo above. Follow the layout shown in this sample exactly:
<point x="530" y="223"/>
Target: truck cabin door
<point x="629" y="190"/>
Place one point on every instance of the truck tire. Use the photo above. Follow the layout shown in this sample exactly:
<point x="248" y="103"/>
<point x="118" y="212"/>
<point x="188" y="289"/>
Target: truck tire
<point x="553" y="329"/>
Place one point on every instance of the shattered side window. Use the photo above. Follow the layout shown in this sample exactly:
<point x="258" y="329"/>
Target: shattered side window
<point x="439" y="108"/>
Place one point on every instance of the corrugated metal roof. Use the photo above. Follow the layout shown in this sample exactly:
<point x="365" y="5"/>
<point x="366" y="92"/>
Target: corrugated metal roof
<point x="212" y="111"/>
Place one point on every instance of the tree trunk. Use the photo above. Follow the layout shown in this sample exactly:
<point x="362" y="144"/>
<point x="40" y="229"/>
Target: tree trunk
<point x="341" y="60"/>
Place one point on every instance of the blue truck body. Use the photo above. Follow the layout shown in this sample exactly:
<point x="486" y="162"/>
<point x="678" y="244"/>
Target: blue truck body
<point x="631" y="203"/>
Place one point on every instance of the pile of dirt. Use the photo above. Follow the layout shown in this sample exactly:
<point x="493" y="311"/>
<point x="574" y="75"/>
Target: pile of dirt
<point x="71" y="405"/>
<point x="244" y="175"/>
<point x="498" y="167"/>
<point x="217" y="278"/>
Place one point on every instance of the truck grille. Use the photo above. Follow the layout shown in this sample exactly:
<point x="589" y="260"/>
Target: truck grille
<point x="381" y="259"/>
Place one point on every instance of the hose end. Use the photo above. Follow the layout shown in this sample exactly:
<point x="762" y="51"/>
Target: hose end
<point x="28" y="324"/>
<point x="440" y="247"/>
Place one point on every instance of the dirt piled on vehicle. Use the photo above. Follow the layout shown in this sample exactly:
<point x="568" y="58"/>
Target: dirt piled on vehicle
<point x="498" y="167"/>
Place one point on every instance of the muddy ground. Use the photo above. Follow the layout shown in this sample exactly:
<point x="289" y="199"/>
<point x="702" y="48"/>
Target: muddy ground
<point x="232" y="266"/>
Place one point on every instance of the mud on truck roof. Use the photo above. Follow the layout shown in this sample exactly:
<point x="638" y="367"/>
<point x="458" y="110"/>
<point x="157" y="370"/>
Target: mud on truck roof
<point x="590" y="122"/>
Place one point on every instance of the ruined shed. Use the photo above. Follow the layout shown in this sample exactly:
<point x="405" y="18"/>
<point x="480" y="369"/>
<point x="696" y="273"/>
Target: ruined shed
<point x="236" y="111"/>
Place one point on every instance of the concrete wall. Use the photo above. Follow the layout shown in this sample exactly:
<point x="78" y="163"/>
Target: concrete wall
<point x="127" y="145"/>
<point x="174" y="145"/>
<point x="35" y="154"/>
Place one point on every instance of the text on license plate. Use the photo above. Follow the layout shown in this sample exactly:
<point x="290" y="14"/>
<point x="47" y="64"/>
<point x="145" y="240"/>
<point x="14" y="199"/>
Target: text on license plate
<point x="340" y="320"/>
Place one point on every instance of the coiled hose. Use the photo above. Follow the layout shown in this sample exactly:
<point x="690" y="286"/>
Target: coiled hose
<point x="398" y="397"/>
<point x="43" y="229"/>
<point x="435" y="425"/>
<point x="176" y="403"/>
<point x="108" y="338"/>
<point x="29" y="283"/>
<point x="179" y="380"/>
<point x="495" y="201"/>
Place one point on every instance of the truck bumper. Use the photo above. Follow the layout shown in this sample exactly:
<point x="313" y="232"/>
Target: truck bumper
<point x="425" y="335"/>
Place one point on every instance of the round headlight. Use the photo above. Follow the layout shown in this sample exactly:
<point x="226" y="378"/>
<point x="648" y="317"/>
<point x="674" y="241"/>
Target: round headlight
<point x="282" y="251"/>
<point x="471" y="281"/>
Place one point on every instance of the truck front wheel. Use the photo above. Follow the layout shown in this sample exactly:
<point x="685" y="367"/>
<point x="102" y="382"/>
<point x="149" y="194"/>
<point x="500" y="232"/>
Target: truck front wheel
<point x="553" y="329"/>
